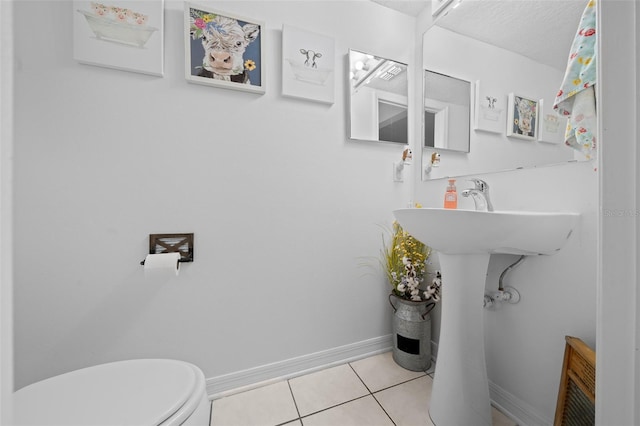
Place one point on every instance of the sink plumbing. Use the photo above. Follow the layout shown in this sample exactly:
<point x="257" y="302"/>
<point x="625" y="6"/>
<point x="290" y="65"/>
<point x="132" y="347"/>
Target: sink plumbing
<point x="503" y="294"/>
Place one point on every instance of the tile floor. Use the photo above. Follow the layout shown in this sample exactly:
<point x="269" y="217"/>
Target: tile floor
<point x="374" y="391"/>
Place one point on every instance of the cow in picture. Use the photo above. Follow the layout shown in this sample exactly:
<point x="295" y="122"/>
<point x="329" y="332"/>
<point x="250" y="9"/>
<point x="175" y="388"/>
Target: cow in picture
<point x="224" y="41"/>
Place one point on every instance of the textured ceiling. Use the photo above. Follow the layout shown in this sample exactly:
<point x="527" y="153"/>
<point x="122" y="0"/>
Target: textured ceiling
<point x="410" y="7"/>
<point x="542" y="30"/>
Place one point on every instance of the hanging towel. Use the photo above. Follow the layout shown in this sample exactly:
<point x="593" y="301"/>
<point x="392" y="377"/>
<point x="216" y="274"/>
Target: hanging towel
<point x="576" y="98"/>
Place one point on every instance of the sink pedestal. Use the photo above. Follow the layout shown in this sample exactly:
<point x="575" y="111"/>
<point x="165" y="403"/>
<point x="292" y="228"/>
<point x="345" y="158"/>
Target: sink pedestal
<point x="464" y="240"/>
<point x="460" y="395"/>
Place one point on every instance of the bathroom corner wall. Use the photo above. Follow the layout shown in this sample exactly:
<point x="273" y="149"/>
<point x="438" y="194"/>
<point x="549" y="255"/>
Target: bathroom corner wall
<point x="617" y="378"/>
<point x="284" y="207"/>
<point x="524" y="343"/>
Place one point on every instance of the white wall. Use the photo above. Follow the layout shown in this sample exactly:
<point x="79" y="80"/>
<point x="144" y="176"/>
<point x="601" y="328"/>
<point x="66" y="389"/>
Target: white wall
<point x="282" y="204"/>
<point x="6" y="191"/>
<point x="617" y="375"/>
<point x="637" y="245"/>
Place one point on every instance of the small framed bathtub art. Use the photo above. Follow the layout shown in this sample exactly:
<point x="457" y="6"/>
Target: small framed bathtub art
<point x="223" y="50"/>
<point x="552" y="126"/>
<point x="489" y="109"/>
<point x="307" y="65"/>
<point x="522" y="117"/>
<point x="122" y="34"/>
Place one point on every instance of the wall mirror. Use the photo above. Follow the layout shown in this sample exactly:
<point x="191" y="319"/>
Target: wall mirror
<point x="489" y="45"/>
<point x="446" y="112"/>
<point x="378" y="96"/>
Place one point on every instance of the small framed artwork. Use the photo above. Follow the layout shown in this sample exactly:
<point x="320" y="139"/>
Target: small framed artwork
<point x="122" y="34"/>
<point x="522" y="118"/>
<point x="223" y="50"/>
<point x="489" y="109"/>
<point x="552" y="126"/>
<point x="308" y="62"/>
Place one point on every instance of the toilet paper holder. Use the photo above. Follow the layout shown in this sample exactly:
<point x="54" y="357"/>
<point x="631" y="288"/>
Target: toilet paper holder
<point x="171" y="243"/>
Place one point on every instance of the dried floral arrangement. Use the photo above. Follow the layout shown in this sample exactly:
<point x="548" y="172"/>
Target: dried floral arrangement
<point x="403" y="259"/>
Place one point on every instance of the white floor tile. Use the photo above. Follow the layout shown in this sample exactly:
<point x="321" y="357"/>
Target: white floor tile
<point x="326" y="388"/>
<point x="381" y="371"/>
<point x="361" y="412"/>
<point x="336" y="396"/>
<point x="408" y="404"/>
<point x="266" y="406"/>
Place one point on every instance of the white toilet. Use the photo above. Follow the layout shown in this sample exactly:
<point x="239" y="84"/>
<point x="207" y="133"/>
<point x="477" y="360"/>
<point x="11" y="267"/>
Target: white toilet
<point x="147" y="392"/>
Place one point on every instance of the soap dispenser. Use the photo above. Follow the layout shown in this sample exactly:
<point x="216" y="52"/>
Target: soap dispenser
<point x="451" y="196"/>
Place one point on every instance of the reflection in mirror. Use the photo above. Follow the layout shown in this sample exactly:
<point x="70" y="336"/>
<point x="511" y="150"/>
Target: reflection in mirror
<point x="378" y="95"/>
<point x="447" y="107"/>
<point x="488" y="44"/>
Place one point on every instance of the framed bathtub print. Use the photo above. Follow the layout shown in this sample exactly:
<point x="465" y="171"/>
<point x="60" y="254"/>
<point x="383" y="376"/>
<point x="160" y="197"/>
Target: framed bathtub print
<point x="223" y="50"/>
<point x="522" y="117"/>
<point x="121" y="34"/>
<point x="552" y="126"/>
<point x="489" y="109"/>
<point x="308" y="62"/>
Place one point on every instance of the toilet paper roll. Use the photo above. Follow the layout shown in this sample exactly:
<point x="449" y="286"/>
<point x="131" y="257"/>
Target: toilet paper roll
<point x="162" y="265"/>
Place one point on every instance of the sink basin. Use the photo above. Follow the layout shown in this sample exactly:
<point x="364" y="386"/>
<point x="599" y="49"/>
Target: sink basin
<point x="464" y="240"/>
<point x="470" y="231"/>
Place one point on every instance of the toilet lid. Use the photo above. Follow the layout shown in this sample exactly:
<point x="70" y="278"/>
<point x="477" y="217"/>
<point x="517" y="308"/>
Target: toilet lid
<point x="134" y="392"/>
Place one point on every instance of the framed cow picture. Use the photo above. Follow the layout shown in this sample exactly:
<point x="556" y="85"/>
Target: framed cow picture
<point x="223" y="50"/>
<point x="522" y="117"/>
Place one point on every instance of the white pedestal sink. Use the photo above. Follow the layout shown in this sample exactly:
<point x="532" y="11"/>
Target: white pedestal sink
<point x="465" y="240"/>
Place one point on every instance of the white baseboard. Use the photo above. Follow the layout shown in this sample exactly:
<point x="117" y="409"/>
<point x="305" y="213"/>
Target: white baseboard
<point x="518" y="410"/>
<point x="244" y="380"/>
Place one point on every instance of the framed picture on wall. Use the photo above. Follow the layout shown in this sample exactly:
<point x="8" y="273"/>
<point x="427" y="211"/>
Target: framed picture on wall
<point x="489" y="109"/>
<point x="308" y="62"/>
<point x="121" y="34"/>
<point x="552" y="126"/>
<point x="223" y="50"/>
<point x="522" y="117"/>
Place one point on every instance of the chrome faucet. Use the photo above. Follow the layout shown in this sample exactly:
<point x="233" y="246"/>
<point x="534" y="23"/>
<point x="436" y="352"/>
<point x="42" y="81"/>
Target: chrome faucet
<point x="480" y="195"/>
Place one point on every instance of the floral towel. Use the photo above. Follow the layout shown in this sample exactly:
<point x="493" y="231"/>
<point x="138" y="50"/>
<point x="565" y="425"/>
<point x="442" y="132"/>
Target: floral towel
<point x="576" y="98"/>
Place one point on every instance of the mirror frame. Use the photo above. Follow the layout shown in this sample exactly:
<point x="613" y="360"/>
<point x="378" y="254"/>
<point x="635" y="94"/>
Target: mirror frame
<point x="380" y="65"/>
